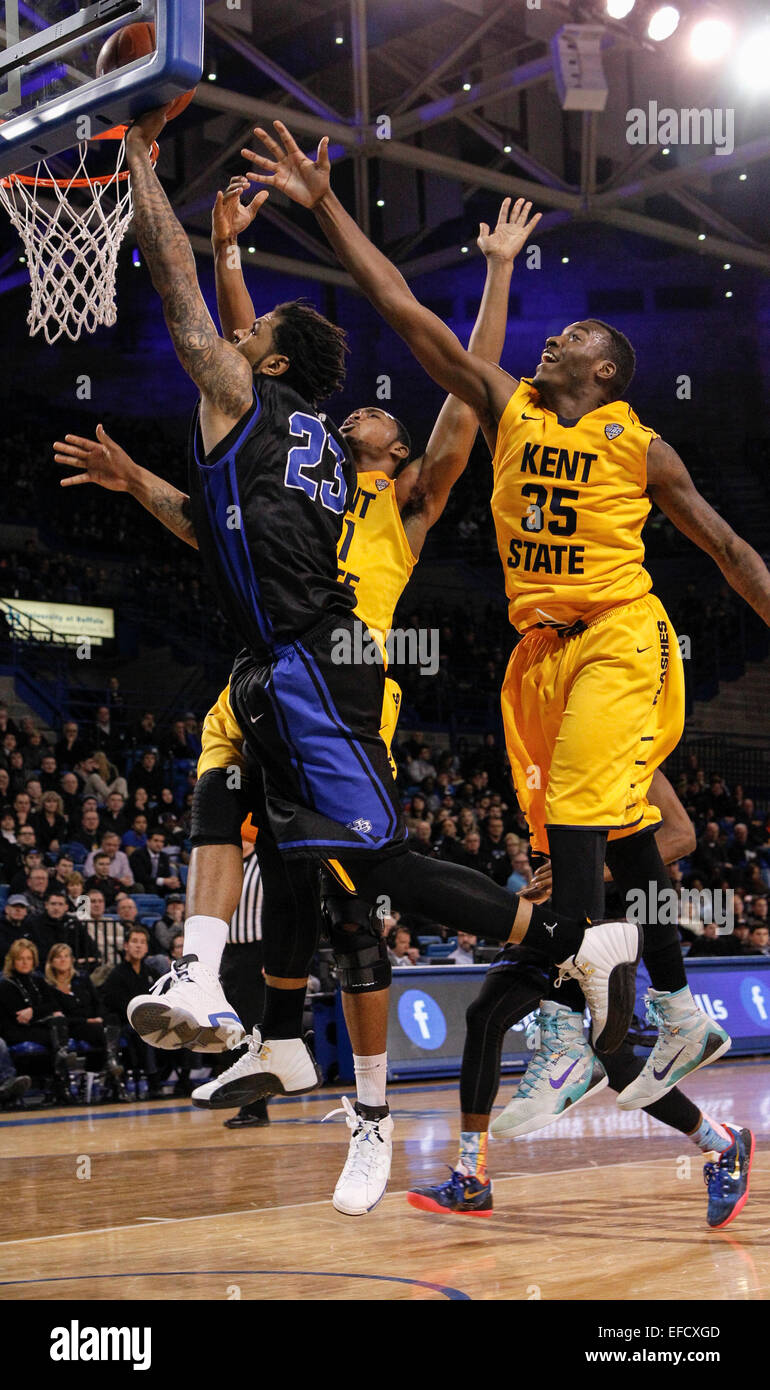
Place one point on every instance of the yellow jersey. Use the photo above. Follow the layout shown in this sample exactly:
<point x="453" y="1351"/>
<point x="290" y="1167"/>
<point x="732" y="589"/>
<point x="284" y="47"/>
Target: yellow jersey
<point x="373" y="554"/>
<point x="569" y="504"/>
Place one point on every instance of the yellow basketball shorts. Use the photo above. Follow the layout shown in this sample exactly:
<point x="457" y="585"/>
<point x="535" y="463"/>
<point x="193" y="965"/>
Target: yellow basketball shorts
<point x="589" y="718"/>
<point x="222" y="740"/>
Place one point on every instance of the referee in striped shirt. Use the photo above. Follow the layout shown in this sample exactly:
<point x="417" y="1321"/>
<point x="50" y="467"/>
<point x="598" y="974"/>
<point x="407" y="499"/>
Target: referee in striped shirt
<point x="242" y="966"/>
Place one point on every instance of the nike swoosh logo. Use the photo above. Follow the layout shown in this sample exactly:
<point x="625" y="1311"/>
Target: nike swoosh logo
<point x="255" y="718"/>
<point x="557" y="1084"/>
<point x="529" y="417"/>
<point x="659" y="1075"/>
<point x="643" y="649"/>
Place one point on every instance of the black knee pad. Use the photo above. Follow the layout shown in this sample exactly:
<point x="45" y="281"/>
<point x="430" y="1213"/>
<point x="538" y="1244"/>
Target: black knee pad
<point x="361" y="956"/>
<point x="218" y="810"/>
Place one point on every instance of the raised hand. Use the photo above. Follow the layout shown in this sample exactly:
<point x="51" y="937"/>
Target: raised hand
<point x="101" y="460"/>
<point x="511" y="232"/>
<point x="289" y="170"/>
<point x="147" y="127"/>
<point x="229" y="216"/>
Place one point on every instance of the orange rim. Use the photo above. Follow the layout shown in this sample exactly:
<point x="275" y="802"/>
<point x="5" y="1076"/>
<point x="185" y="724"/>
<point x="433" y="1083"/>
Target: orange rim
<point x="116" y="133"/>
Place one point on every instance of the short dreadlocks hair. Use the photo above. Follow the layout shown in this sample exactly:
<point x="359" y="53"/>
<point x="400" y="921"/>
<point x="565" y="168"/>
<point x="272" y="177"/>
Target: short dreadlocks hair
<point x="315" y="348"/>
<point x="622" y="354"/>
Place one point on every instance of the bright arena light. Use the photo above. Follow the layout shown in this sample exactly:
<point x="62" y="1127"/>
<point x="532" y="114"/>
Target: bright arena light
<point x="710" y="39"/>
<point x="754" y="61"/>
<point x="619" y="9"/>
<point x="663" y="23"/>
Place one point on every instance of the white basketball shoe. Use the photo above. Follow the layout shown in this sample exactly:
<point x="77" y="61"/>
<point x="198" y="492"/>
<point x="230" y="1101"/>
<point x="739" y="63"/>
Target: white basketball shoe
<point x="186" y="1008"/>
<point x="364" y="1178"/>
<point x="605" y="968"/>
<point x="275" y="1067"/>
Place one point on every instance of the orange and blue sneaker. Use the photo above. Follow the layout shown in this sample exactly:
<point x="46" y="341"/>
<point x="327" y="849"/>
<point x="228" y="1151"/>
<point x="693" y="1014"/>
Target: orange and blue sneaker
<point x="461" y="1193"/>
<point x="727" y="1179"/>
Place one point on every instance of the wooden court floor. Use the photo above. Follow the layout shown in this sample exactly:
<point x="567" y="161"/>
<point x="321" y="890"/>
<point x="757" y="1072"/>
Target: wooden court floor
<point x="159" y="1201"/>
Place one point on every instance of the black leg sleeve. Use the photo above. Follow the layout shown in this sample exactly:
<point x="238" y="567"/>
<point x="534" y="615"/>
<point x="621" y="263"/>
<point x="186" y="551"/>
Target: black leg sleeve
<point x="291" y="910"/>
<point x="508" y="994"/>
<point x="638" y="870"/>
<point x="461" y="898"/>
<point x="577" y="860"/>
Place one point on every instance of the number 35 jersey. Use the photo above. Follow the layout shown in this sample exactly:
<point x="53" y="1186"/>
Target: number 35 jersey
<point x="569" y="503"/>
<point x="267" y="506"/>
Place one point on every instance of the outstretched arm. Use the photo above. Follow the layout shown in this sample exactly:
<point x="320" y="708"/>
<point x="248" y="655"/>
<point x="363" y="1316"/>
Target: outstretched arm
<point x="671" y="488"/>
<point x="484" y="387"/>
<point x="229" y="218"/>
<point x="102" y="461"/>
<point x="426" y="483"/>
<point x="221" y="373"/>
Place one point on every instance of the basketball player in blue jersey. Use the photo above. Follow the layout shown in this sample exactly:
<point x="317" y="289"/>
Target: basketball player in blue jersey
<point x="268" y="488"/>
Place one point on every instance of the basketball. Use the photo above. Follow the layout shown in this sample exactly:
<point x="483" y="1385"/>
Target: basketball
<point x="124" y="47"/>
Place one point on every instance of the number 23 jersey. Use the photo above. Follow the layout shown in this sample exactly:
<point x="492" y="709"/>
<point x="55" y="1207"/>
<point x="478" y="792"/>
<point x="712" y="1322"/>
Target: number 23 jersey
<point x="569" y="503"/>
<point x="267" y="506"/>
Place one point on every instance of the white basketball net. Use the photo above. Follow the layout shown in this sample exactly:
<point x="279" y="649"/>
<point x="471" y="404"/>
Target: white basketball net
<point x="72" y="230"/>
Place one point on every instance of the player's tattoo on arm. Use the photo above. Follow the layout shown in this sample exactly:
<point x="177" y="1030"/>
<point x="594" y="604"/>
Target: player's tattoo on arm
<point x="220" y="372"/>
<point x="168" y="505"/>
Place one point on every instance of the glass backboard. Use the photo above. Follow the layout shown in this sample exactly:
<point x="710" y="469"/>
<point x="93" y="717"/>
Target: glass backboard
<point x="48" y="83"/>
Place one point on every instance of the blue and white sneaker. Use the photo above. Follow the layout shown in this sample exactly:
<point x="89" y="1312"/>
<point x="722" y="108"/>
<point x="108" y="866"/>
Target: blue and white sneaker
<point x="364" y="1178"/>
<point x="564" y="1070"/>
<point x="462" y="1194"/>
<point x="186" y="1008"/>
<point x="687" y="1039"/>
<point x="727" y="1179"/>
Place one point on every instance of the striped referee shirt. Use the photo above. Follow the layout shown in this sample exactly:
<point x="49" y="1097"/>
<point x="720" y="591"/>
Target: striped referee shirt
<point x="246" y="921"/>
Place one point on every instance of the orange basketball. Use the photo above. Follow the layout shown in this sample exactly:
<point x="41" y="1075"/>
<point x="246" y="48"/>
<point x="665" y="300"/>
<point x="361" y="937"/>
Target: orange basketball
<point x="125" y="46"/>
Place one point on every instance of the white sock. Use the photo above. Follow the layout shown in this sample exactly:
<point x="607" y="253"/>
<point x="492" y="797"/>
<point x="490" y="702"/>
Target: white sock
<point x="371" y="1078"/>
<point x="206" y="937"/>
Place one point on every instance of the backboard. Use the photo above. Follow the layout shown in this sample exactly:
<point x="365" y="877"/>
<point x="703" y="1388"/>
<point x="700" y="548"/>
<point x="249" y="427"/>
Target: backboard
<point x="50" y="98"/>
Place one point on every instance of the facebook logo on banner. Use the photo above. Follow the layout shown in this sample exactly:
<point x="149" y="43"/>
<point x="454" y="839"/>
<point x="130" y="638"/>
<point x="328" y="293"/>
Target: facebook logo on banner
<point x="755" y="998"/>
<point x="421" y="1019"/>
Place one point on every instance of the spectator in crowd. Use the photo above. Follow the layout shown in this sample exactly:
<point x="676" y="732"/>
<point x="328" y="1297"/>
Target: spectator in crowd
<point x="75" y="995"/>
<point x="5" y="786"/>
<point x="37" y="889"/>
<point x="28" y="1012"/>
<point x="22" y="809"/>
<point x="473" y="855"/>
<point x="76" y="889"/>
<point x="124" y="982"/>
<point x="54" y="923"/>
<point x="105" y="737"/>
<point x="102" y="777"/>
<point x="758" y="915"/>
<point x="114" y="816"/>
<point x="119" y="867"/>
<point x="710" y="943"/>
<point x="71" y="749"/>
<point x="420" y="838"/>
<point x="708" y="857"/>
<point x="193" y="733"/>
<point x="144" y="732"/>
<point x="420" y="767"/>
<point x="167" y="926"/>
<point x="16" y="771"/>
<point x="7" y="724"/>
<point x="466" y="944"/>
<point x="51" y="823"/>
<point x="49" y="773"/>
<point x="740" y="855"/>
<point x="521" y="877"/>
<point x="493" y="845"/>
<point x="59" y="876"/>
<point x="88" y="833"/>
<point x="34" y="791"/>
<point x="139" y="802"/>
<point x="400" y="949"/>
<point x="147" y="775"/>
<point x="759" y="939"/>
<point x="136" y="837"/>
<point x="13" y="922"/>
<point x="12" y="1085"/>
<point x="176" y="745"/>
<point x="10" y="852"/>
<point x="31" y="858"/>
<point x="69" y="790"/>
<point x="102" y="879"/>
<point x="34" y="748"/>
<point x="152" y="867"/>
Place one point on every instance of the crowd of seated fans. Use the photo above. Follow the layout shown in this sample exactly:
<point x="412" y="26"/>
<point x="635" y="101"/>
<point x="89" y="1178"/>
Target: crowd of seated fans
<point x="94" y="848"/>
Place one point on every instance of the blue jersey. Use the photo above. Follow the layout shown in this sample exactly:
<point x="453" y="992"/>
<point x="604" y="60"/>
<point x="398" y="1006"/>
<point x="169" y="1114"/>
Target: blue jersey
<point x="267" y="507"/>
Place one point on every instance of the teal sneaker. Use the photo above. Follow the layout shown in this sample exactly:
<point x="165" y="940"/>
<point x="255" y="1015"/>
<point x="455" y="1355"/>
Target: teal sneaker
<point x="727" y="1179"/>
<point x="687" y="1039"/>
<point x="461" y="1194"/>
<point x="563" y="1071"/>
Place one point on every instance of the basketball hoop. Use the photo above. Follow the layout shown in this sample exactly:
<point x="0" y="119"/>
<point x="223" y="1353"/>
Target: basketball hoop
<point x="72" y="240"/>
